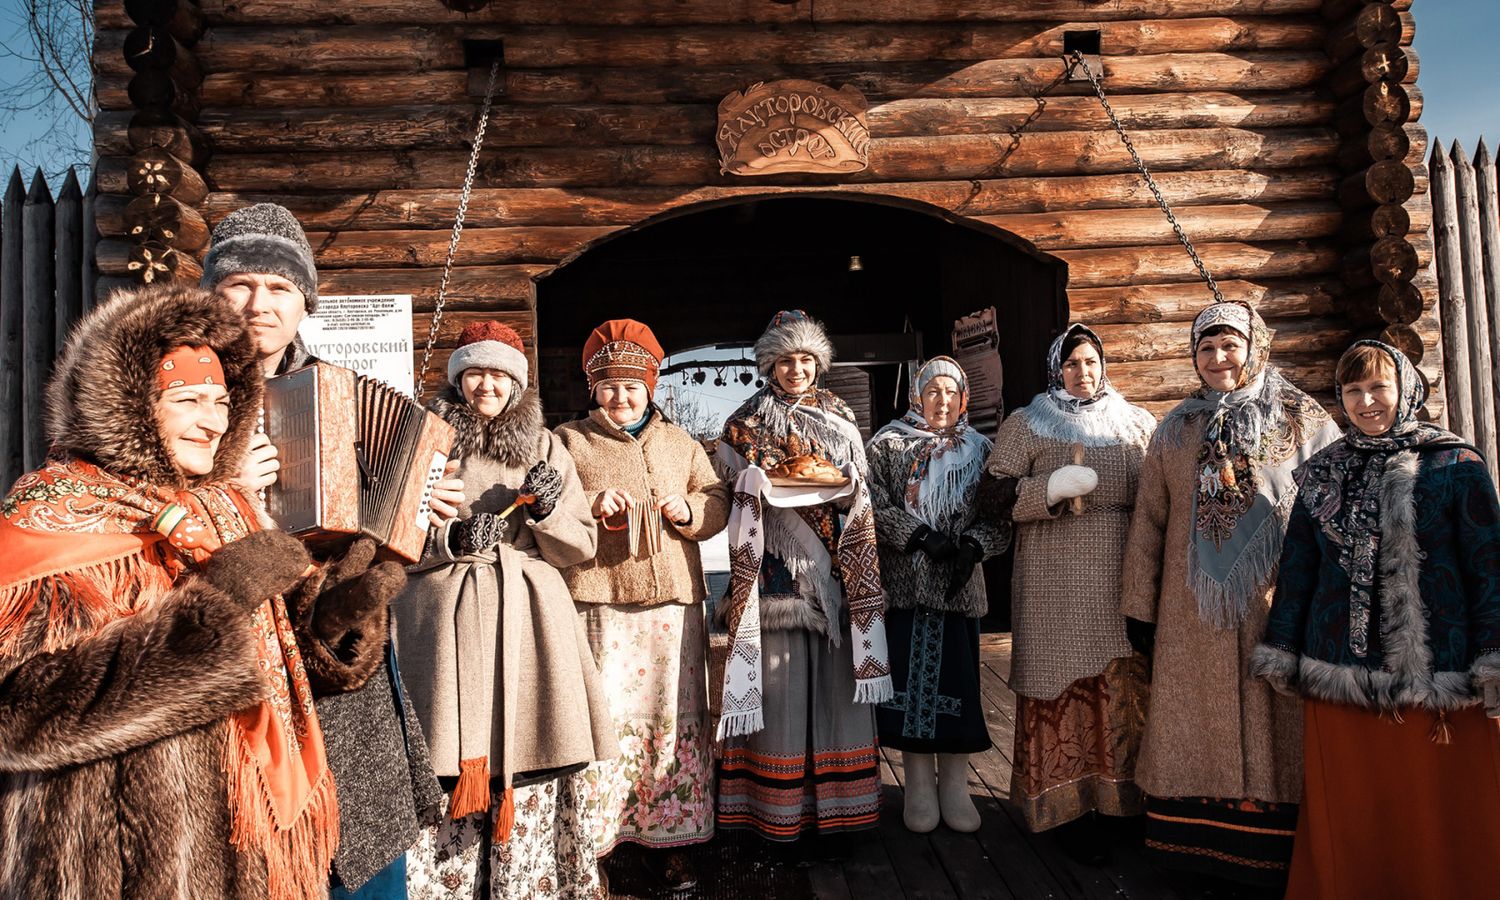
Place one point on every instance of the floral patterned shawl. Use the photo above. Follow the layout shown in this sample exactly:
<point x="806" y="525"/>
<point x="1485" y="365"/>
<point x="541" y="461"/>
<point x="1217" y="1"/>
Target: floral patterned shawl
<point x="117" y="548"/>
<point x="1341" y="487"/>
<point x="1254" y="437"/>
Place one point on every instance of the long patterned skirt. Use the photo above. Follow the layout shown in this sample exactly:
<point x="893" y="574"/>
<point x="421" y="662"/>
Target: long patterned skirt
<point x="549" y="856"/>
<point x="1236" y="839"/>
<point x="935" y="670"/>
<point x="1388" y="812"/>
<point x="659" y="792"/>
<point x="813" y="767"/>
<point x="1077" y="753"/>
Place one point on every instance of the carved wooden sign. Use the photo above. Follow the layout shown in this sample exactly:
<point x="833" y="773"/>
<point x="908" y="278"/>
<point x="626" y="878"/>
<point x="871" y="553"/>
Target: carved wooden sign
<point x="793" y="126"/>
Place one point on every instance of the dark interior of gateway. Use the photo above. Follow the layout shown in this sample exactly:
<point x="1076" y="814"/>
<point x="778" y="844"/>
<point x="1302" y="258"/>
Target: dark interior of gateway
<point x="888" y="280"/>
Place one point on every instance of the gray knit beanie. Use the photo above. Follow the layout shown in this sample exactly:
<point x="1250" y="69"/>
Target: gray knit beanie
<point x="265" y="239"/>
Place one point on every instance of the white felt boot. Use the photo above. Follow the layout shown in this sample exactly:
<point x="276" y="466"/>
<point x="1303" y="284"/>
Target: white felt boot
<point x="921" y="813"/>
<point x="953" y="792"/>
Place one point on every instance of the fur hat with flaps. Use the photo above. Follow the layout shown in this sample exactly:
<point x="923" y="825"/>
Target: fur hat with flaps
<point x="793" y="331"/>
<point x="265" y="239"/>
<point x="101" y="401"/>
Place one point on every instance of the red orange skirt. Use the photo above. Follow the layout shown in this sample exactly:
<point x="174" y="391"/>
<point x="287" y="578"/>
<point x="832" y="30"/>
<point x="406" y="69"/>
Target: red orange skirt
<point x="1388" y="812"/>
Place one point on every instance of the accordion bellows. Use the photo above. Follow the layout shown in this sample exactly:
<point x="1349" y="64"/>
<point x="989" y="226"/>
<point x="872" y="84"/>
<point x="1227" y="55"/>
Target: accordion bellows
<point x="357" y="457"/>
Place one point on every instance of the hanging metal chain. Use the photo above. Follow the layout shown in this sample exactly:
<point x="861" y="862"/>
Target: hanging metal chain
<point x="458" y="229"/>
<point x="1077" y="60"/>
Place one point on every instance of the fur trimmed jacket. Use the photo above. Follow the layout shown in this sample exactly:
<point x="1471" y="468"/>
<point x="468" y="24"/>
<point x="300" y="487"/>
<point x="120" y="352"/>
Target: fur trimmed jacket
<point x="1434" y="633"/>
<point x="492" y="648"/>
<point x="113" y="730"/>
<point x="661" y="461"/>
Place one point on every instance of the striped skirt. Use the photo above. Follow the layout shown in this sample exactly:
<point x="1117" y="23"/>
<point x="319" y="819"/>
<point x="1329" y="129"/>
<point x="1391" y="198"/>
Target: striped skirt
<point x="1240" y="840"/>
<point x="814" y="766"/>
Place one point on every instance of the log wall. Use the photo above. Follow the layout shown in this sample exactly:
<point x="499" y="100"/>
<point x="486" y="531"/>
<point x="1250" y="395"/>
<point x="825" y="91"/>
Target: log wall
<point x="1284" y="131"/>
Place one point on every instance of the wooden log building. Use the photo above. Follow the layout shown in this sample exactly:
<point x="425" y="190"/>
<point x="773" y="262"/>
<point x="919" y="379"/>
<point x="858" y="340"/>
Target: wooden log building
<point x="1283" y="132"/>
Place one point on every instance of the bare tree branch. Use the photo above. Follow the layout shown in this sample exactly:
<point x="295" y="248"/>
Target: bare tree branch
<point x="47" y="110"/>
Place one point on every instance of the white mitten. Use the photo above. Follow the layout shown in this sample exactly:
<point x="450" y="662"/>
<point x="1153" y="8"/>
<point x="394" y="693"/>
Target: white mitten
<point x="1069" y="482"/>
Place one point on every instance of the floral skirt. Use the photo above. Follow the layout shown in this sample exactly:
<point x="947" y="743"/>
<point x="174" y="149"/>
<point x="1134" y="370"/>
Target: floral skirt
<point x="1076" y="753"/>
<point x="549" y="856"/>
<point x="659" y="792"/>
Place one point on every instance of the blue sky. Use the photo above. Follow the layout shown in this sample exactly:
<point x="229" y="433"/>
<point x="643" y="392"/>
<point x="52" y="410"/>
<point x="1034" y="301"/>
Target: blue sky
<point x="1456" y="46"/>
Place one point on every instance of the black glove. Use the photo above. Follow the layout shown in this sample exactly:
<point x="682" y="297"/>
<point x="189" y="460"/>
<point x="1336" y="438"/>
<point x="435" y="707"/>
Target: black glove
<point x="1141" y="635"/>
<point x="544" y="483"/>
<point x="476" y="534"/>
<point x="345" y="593"/>
<point x="969" y="555"/>
<point x="933" y="543"/>
<point x="257" y="567"/>
<point x="995" y="498"/>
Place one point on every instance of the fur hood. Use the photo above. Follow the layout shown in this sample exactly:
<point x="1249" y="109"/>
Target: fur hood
<point x="509" y="438"/>
<point x="101" y="401"/>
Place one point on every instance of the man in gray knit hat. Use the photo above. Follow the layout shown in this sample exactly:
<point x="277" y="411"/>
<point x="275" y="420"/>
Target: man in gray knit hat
<point x="261" y="263"/>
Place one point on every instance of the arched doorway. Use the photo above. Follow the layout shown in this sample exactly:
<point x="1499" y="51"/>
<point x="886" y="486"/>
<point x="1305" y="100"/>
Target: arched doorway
<point x="713" y="275"/>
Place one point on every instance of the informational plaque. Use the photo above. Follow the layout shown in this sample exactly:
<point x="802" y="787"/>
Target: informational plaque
<point x="793" y="126"/>
<point x="976" y="346"/>
<point x="369" y="333"/>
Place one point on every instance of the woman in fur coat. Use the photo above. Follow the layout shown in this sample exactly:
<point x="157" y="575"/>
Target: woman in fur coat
<point x="1387" y="623"/>
<point x="805" y="611"/>
<point x="157" y="733"/>
<point x="1080" y="690"/>
<point x="1220" y="761"/>
<point x="924" y="474"/>
<point x="655" y="496"/>
<point x="493" y="651"/>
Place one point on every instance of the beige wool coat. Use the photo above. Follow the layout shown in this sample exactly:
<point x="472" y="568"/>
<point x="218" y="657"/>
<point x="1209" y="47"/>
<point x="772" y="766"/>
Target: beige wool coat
<point x="1213" y="730"/>
<point x="1065" y="588"/>
<point x="505" y="613"/>
<point x="661" y="461"/>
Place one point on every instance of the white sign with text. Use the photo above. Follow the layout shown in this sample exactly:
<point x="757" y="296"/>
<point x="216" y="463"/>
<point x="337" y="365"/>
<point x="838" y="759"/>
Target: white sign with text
<point x="369" y="333"/>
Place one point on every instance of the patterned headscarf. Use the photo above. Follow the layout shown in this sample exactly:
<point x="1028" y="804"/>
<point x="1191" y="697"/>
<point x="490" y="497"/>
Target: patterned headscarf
<point x="1103" y="420"/>
<point x="1254" y="437"/>
<point x="945" y="463"/>
<point x="1340" y="487"/>
<point x="1056" y="387"/>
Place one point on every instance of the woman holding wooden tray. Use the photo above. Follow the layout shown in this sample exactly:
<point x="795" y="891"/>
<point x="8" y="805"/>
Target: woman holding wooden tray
<point x="655" y="496"/>
<point x="806" y="610"/>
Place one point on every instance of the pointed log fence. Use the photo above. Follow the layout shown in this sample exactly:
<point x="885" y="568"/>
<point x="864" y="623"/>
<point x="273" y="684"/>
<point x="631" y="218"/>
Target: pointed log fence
<point x="46" y="283"/>
<point x="1466" y="227"/>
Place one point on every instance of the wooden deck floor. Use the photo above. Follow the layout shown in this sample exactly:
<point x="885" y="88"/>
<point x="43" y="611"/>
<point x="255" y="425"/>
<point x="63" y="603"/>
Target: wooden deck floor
<point x="1000" y="862"/>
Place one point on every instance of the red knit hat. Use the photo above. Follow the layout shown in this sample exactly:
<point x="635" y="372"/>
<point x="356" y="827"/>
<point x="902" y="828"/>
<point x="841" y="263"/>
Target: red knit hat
<point x="489" y="345"/>
<point x="622" y="349"/>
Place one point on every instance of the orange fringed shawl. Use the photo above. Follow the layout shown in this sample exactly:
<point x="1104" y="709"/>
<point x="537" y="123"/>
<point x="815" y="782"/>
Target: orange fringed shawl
<point x="95" y="549"/>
